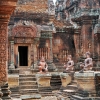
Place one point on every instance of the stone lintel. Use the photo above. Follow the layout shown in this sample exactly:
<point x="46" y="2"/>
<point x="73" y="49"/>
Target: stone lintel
<point x="85" y="19"/>
<point x="77" y="30"/>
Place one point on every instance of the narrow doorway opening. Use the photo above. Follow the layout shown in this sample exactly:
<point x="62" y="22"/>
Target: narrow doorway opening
<point x="23" y="55"/>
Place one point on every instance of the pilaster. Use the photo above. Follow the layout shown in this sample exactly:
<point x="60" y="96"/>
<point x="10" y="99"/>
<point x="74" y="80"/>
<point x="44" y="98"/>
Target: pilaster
<point x="6" y="9"/>
<point x="77" y="41"/>
<point x="86" y="33"/>
<point x="12" y="55"/>
<point x="3" y="52"/>
<point x="51" y="53"/>
<point x="87" y="23"/>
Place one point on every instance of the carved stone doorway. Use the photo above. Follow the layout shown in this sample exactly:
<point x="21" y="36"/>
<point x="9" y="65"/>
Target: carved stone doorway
<point x="23" y="55"/>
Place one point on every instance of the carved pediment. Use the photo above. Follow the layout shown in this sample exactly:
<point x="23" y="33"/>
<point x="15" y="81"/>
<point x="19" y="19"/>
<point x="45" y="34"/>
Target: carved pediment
<point x="24" y="31"/>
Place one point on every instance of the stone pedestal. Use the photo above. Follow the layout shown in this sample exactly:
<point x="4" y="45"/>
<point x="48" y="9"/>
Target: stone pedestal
<point x="65" y="79"/>
<point x="43" y="80"/>
<point x="13" y="80"/>
<point x="86" y="86"/>
<point x="86" y="82"/>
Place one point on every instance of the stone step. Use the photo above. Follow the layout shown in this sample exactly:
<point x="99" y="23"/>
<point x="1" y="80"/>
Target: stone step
<point x="28" y="87"/>
<point x="56" y="78"/>
<point x="36" y="70"/>
<point x="58" y="66"/>
<point x="56" y="83"/>
<point x="75" y="97"/>
<point x="46" y="93"/>
<point x="55" y="88"/>
<point x="69" y="91"/>
<point x="31" y="97"/>
<point x="28" y="82"/>
<point x="15" y="92"/>
<point x="13" y="71"/>
<point x="25" y="72"/>
<point x="23" y="75"/>
<point x="15" y="95"/>
<point x="27" y="79"/>
<point x="45" y="90"/>
<point x="74" y="87"/>
<point x="26" y="91"/>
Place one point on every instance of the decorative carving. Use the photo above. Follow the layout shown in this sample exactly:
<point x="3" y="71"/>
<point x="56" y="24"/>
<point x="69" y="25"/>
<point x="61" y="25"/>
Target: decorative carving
<point x="38" y="6"/>
<point x="3" y="53"/>
<point x="24" y="31"/>
<point x="51" y="7"/>
<point x="23" y="40"/>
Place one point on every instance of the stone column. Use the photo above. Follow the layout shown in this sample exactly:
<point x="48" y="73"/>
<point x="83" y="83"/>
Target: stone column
<point x="51" y="65"/>
<point x="51" y="53"/>
<point x="86" y="25"/>
<point x="3" y="56"/>
<point x="35" y="52"/>
<point x="77" y="32"/>
<point x="6" y="9"/>
<point x="12" y="55"/>
<point x="3" y="53"/>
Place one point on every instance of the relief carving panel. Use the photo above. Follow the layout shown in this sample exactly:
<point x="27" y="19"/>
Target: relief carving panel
<point x="23" y="40"/>
<point x="24" y="31"/>
<point x="3" y="53"/>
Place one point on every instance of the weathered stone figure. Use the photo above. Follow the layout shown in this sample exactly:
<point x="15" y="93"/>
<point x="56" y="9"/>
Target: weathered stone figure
<point x="88" y="64"/>
<point x="70" y="64"/>
<point x="43" y="67"/>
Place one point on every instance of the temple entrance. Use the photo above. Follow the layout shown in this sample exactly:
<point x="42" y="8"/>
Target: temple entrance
<point x="23" y="55"/>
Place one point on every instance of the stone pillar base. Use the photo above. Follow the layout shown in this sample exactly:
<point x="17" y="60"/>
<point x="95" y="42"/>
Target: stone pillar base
<point x="1" y="94"/>
<point x="51" y="66"/>
<point x="6" y="92"/>
<point x="11" y="66"/>
<point x="35" y="66"/>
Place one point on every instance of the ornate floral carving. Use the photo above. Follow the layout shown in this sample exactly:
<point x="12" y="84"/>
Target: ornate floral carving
<point x="23" y="40"/>
<point x="24" y="31"/>
<point x="3" y="52"/>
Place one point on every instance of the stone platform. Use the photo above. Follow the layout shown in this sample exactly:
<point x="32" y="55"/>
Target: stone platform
<point x="86" y="86"/>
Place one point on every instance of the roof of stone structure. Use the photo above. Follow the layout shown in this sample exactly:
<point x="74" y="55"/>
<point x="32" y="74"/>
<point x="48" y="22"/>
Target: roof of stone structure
<point x="34" y="6"/>
<point x="25" y="29"/>
<point x="62" y="24"/>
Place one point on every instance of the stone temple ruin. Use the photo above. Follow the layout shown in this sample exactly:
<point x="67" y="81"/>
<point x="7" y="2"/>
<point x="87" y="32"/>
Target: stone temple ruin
<point x="38" y="28"/>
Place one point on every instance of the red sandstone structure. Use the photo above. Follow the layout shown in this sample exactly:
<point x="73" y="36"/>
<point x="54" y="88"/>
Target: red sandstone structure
<point x="84" y="17"/>
<point x="70" y="28"/>
<point x="36" y="30"/>
<point x="6" y="9"/>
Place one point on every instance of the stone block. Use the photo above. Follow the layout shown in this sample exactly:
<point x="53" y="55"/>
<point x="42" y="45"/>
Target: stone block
<point x="65" y="79"/>
<point x="43" y="80"/>
<point x="13" y="80"/>
<point x="86" y="81"/>
<point x="31" y="97"/>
